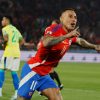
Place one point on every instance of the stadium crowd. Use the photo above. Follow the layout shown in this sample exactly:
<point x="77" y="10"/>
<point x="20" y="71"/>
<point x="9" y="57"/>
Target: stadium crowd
<point x="32" y="16"/>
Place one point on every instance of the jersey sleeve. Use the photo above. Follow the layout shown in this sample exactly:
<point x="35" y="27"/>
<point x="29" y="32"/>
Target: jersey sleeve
<point x="4" y="32"/>
<point x="51" y="30"/>
<point x="48" y="31"/>
<point x="19" y="35"/>
<point x="74" y="39"/>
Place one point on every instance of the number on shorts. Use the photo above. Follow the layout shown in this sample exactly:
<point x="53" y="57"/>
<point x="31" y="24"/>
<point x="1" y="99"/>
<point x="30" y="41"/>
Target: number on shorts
<point x="33" y="85"/>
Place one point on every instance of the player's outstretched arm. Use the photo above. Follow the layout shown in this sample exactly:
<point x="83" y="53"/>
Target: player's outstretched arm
<point x="22" y="42"/>
<point x="50" y="40"/>
<point x="82" y="42"/>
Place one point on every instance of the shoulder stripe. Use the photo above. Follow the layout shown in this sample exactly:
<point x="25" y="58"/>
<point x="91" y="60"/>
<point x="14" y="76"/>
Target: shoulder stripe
<point x="54" y="29"/>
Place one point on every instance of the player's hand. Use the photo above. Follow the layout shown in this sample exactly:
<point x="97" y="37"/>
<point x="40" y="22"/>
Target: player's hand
<point x="3" y="44"/>
<point x="75" y="32"/>
<point x="97" y="47"/>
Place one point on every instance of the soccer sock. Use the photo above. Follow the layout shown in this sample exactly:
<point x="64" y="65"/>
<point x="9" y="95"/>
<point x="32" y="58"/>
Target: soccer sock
<point x="2" y="77"/>
<point x="52" y="75"/>
<point x="15" y="79"/>
<point x="56" y="77"/>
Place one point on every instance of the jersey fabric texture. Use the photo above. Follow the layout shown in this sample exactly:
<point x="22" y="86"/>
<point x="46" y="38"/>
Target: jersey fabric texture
<point x="48" y="57"/>
<point x="12" y="48"/>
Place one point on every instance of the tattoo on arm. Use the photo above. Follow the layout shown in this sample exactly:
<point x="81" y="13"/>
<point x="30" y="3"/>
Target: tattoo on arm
<point x="86" y="44"/>
<point x="50" y="40"/>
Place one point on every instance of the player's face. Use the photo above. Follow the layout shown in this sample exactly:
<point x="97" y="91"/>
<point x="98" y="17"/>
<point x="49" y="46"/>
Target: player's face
<point x="69" y="20"/>
<point x="4" y="21"/>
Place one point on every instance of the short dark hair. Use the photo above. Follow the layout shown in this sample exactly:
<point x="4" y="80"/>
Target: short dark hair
<point x="9" y="18"/>
<point x="70" y="9"/>
<point x="63" y="10"/>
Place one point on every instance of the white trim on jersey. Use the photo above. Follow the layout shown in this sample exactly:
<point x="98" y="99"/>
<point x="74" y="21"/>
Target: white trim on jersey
<point x="36" y="64"/>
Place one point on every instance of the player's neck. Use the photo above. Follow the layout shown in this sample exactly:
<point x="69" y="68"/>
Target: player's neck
<point x="6" y="25"/>
<point x="64" y="28"/>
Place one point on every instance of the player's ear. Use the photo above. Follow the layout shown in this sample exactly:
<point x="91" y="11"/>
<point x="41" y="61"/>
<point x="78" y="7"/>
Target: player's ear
<point x="61" y="19"/>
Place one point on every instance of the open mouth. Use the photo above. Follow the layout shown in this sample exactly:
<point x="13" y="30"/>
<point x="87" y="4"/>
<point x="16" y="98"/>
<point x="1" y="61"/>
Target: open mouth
<point x="73" y="24"/>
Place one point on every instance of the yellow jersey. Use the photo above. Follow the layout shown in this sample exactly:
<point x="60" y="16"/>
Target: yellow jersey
<point x="12" y="48"/>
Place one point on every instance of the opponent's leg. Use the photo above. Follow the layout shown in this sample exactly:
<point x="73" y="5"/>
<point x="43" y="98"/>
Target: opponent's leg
<point x="2" y="78"/>
<point x="15" y="83"/>
<point x="54" y="75"/>
<point x="2" y="73"/>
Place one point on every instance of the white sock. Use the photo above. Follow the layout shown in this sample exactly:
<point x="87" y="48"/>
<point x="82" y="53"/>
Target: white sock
<point x="16" y="92"/>
<point x="0" y="91"/>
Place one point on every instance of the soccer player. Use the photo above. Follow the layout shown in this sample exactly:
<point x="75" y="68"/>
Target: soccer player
<point x="54" y="44"/>
<point x="11" y="57"/>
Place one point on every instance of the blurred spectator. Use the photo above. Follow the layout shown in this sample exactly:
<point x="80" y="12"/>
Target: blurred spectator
<point x="32" y="16"/>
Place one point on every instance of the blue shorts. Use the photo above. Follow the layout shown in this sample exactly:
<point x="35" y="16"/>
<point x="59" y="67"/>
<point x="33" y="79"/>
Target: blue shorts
<point x="31" y="81"/>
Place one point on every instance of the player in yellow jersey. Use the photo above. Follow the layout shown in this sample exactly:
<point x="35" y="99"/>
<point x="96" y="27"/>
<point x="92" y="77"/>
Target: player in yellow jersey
<point x="11" y="57"/>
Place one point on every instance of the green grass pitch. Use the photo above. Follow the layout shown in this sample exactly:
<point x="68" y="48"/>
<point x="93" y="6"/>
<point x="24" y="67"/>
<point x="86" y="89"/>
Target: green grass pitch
<point x="81" y="82"/>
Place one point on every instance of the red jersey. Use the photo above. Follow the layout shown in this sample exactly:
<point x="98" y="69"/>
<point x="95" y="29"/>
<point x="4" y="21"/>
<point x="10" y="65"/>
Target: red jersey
<point x="48" y="57"/>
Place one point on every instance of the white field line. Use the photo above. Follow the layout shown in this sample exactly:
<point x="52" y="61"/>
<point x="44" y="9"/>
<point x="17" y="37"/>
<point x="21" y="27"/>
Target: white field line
<point x="68" y="89"/>
<point x="65" y="89"/>
<point x="79" y="90"/>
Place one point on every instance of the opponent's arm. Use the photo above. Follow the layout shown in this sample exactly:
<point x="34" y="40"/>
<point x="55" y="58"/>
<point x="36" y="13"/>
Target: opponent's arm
<point x="82" y="42"/>
<point x="22" y="42"/>
<point x="50" y="40"/>
<point x="4" y="42"/>
<point x="5" y="37"/>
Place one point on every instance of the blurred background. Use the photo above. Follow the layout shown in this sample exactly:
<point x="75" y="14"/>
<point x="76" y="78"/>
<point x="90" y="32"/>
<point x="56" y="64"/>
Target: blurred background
<point x="31" y="17"/>
<point x="81" y="78"/>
